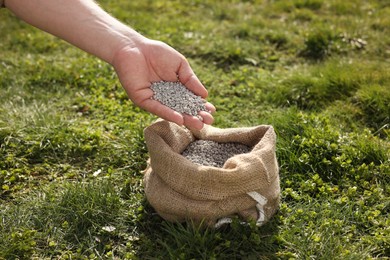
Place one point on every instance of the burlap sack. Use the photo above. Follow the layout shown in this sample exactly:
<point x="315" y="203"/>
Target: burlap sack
<point x="179" y="190"/>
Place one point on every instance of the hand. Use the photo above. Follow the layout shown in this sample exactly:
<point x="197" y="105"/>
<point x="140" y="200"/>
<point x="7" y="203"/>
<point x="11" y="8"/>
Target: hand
<point x="137" y="60"/>
<point x="151" y="61"/>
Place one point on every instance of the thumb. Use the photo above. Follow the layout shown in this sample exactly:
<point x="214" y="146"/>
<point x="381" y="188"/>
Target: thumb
<point x="188" y="78"/>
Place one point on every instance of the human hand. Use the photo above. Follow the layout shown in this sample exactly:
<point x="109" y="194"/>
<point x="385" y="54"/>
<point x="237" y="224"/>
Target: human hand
<point x="152" y="61"/>
<point x="137" y="60"/>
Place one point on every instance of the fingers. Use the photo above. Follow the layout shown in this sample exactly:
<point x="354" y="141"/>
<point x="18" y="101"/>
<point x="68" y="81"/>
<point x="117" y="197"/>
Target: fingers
<point x="143" y="98"/>
<point x="193" y="122"/>
<point x="190" y="80"/>
<point x="138" y="68"/>
<point x="210" y="107"/>
<point x="207" y="118"/>
<point x="162" y="111"/>
<point x="167" y="113"/>
<point x="170" y="65"/>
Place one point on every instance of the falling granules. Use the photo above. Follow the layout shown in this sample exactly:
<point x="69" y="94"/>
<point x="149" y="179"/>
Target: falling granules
<point x="211" y="153"/>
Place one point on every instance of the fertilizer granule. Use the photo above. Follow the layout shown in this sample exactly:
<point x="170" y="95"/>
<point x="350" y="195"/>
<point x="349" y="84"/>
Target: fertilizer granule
<point x="177" y="97"/>
<point x="211" y="153"/>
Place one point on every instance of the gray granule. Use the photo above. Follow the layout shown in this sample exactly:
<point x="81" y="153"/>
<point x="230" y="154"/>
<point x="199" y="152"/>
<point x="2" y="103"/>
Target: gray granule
<point x="177" y="97"/>
<point x="210" y="153"/>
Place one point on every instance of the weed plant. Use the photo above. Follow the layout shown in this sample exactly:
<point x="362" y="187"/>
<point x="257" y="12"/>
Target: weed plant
<point x="72" y="150"/>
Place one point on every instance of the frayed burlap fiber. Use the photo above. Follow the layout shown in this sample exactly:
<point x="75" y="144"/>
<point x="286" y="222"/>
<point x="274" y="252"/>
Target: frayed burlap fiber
<point x="181" y="190"/>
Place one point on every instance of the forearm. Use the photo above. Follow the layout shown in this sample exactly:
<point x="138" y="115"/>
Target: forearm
<point x="80" y="22"/>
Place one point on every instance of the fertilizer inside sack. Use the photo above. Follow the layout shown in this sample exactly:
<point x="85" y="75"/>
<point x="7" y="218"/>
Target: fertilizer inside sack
<point x="211" y="153"/>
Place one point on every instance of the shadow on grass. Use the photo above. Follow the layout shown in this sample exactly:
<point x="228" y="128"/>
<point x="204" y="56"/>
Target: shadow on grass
<point x="164" y="240"/>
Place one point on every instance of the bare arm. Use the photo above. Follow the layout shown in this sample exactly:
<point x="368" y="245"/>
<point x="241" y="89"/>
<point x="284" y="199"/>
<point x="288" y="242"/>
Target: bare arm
<point x="137" y="60"/>
<point x="80" y="22"/>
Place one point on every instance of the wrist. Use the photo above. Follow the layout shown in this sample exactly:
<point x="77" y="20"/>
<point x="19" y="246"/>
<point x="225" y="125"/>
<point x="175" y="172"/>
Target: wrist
<point x="127" y="39"/>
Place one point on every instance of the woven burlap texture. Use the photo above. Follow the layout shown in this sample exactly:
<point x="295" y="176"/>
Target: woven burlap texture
<point x="180" y="190"/>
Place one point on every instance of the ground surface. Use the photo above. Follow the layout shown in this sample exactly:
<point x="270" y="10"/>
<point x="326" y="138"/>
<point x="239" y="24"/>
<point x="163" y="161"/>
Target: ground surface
<point x="72" y="147"/>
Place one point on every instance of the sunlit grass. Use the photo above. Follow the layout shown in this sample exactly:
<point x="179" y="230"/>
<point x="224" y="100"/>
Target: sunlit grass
<point x="72" y="149"/>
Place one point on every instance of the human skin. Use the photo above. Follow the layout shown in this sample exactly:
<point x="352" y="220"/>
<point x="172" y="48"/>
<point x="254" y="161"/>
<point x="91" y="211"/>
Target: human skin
<point x="137" y="60"/>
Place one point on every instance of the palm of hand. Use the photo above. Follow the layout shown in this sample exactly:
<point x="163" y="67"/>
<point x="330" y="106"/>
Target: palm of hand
<point x="155" y="61"/>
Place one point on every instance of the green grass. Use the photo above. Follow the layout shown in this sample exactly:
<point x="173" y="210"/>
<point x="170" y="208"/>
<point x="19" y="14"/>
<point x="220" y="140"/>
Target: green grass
<point x="72" y="149"/>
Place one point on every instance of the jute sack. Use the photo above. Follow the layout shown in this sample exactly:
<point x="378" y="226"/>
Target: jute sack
<point x="180" y="190"/>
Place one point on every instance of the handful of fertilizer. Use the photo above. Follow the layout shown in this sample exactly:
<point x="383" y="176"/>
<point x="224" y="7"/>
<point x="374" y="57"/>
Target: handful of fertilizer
<point x="177" y="97"/>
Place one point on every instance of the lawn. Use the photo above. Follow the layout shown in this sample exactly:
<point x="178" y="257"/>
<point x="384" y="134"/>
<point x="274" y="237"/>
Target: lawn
<point x="72" y="149"/>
